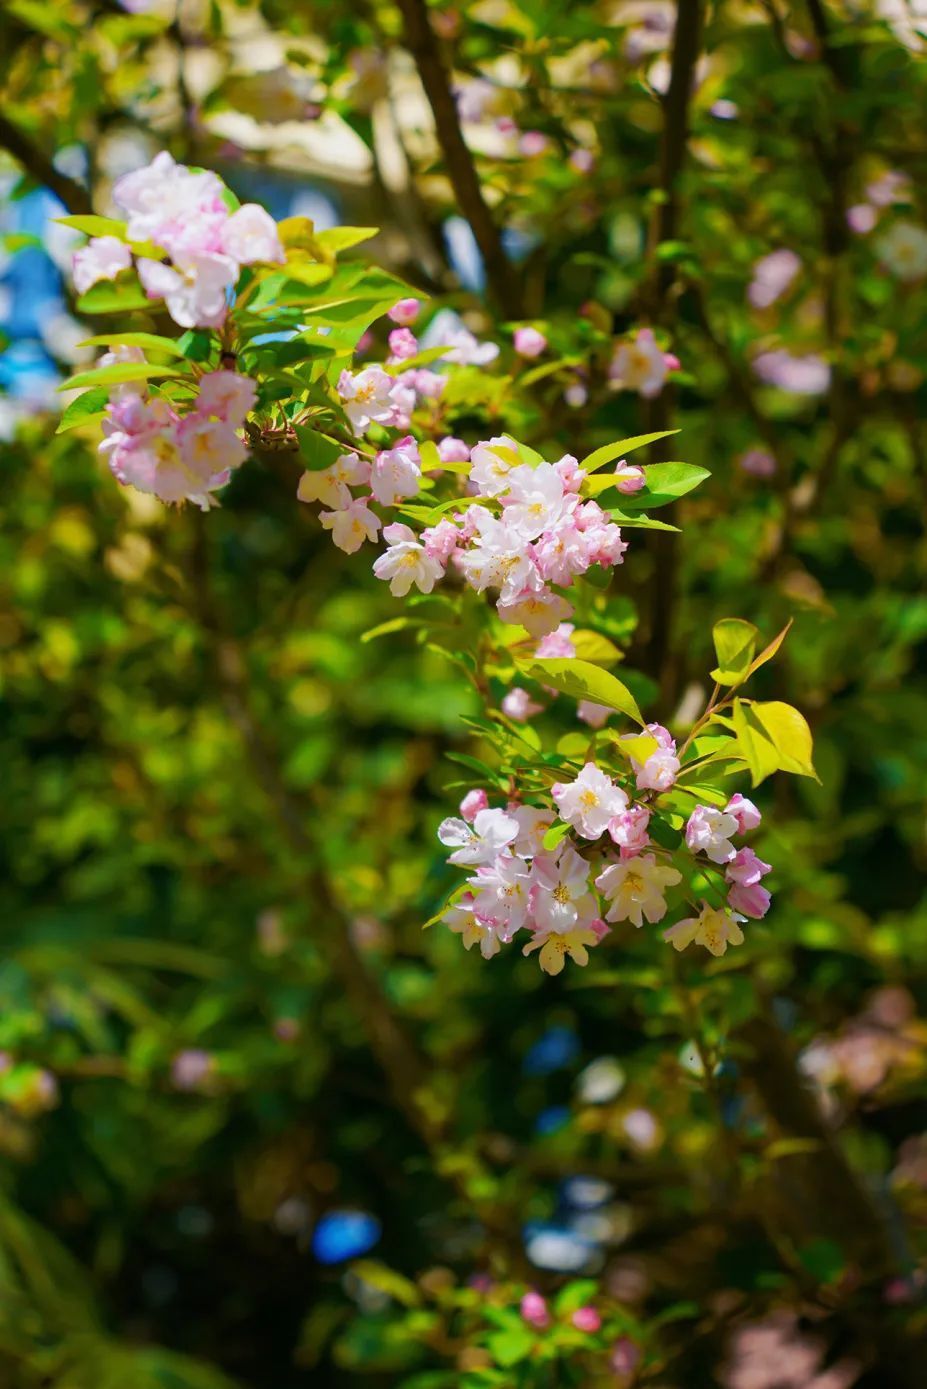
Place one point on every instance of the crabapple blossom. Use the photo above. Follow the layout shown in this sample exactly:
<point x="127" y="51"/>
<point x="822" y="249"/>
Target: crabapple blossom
<point x="528" y="342"/>
<point x="534" y="501"/>
<point x="808" y="375"/>
<point x="491" y="463"/>
<point x="903" y="250"/>
<point x="639" y="365"/>
<point x="396" y="472"/>
<point x="534" y="1311"/>
<point x="406" y="562"/>
<point x="586" y="1319"/>
<point x="195" y="289"/>
<point x="746" y="894"/>
<point x="452" y="450"/>
<point x="351" y="525"/>
<point x="465" y="350"/>
<point x="330" y="485"/>
<point x="101" y="259"/>
<point x="629" y="830"/>
<point x="571" y="474"/>
<point x="560" y="896"/>
<point x="501" y="893"/>
<point x="479" y="843"/>
<point x="499" y="560"/>
<point x="405" y="312"/>
<point x="533" y="823"/>
<point x="250" y="235"/>
<point x="744" y="812"/>
<point x="441" y="541"/>
<point x="555" y="946"/>
<point x="772" y="276"/>
<point x="659" y="770"/>
<point x="757" y="462"/>
<point x="630" y="477"/>
<point x="589" y="802"/>
<point x="367" y="397"/>
<point x="402" y="344"/>
<point x="518" y="705"/>
<point x="635" y="889"/>
<point x="715" y="928"/>
<point x="709" y="830"/>
<point x="539" y="613"/>
<point x="595" y="715"/>
<point x="558" y="644"/>
<point x="227" y="395"/>
<point x="473" y="802"/>
<point x="463" y="921"/>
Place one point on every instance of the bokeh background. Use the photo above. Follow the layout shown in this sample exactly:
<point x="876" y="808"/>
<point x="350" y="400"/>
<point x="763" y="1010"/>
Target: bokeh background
<point x="219" y="801"/>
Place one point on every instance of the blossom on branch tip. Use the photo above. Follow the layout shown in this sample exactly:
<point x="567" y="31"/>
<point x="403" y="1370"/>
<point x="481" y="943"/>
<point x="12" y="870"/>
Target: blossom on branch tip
<point x="635" y="889"/>
<point x="406" y="562"/>
<point x="351" y="525"/>
<point x="479" y="843"/>
<point x="714" y="928"/>
<point x="709" y="830"/>
<point x="589" y="802"/>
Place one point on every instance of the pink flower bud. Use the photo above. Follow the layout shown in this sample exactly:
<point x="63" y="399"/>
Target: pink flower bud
<point x="529" y="342"/>
<point x="630" y="478"/>
<point x="403" y="344"/>
<point x="473" y="802"/>
<point x="452" y="450"/>
<point x="744" y="812"/>
<point x="586" y="1319"/>
<point x="405" y="312"/>
<point x="534" y="1310"/>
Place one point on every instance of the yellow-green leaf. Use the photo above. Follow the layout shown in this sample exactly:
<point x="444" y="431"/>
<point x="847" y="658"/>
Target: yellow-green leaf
<point x="592" y="646"/>
<point x="583" y="680"/>
<point x="599" y="457"/>
<point x="773" y="737"/>
<point x="735" y="643"/>
<point x="769" y="651"/>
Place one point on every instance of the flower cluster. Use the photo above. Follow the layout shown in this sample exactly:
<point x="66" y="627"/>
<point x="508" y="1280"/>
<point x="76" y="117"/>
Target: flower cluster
<point x="528" y="876"/>
<point x="190" y="247"/>
<point x="175" y="457"/>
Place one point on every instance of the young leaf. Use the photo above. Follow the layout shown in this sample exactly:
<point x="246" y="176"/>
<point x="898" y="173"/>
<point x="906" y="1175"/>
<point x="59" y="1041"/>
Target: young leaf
<point x="554" y="835"/>
<point x="769" y="651"/>
<point x="772" y="737"/>
<point x="88" y="406"/>
<point x="152" y="342"/>
<point x="316" y="449"/>
<point x="118" y="373"/>
<point x="341" y="238"/>
<point x="735" y="643"/>
<point x="599" y="457"/>
<point x="91" y="225"/>
<point x="114" y="296"/>
<point x="583" y="680"/>
<point x="592" y="646"/>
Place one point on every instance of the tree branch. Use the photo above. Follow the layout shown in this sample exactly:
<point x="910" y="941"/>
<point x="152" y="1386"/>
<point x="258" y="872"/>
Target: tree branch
<point x="74" y="195"/>
<point x="419" y="38"/>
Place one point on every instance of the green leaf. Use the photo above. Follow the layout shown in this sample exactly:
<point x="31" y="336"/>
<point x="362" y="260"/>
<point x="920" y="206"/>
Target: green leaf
<point x="114" y="296"/>
<point x="91" y="225"/>
<point x="395" y="624"/>
<point x="316" y="449"/>
<point x="769" y="651"/>
<point x="387" y="1280"/>
<point x="340" y="238"/>
<point x="88" y="406"/>
<point x="554" y="835"/>
<point x="772" y="737"/>
<point x="638" y="522"/>
<point x="665" y="482"/>
<point x="584" y="681"/>
<point x="599" y="457"/>
<point x="431" y="458"/>
<point x="508" y="1348"/>
<point x="592" y="646"/>
<point x="152" y="342"/>
<point x="195" y="345"/>
<point x="735" y="643"/>
<point x="117" y="374"/>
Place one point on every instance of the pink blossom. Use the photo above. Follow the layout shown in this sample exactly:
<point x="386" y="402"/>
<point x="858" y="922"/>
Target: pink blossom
<point x="501" y="892"/>
<point x="589" y="802"/>
<point x="757" y="462"/>
<point x="406" y="562"/>
<point x="227" y="395"/>
<point x="481" y="842"/>
<point x="499" y="559"/>
<point x="192" y="1068"/>
<point x="635" y="888"/>
<point x="586" y="1319"/>
<point x="519" y="706"/>
<point x="402" y="344"/>
<point x="861" y="218"/>
<point x="639" y="365"/>
<point x="209" y="447"/>
<point x="563" y="551"/>
<point x="713" y="928"/>
<point x="538" y="612"/>
<point x="533" y="143"/>
<point x="808" y="375"/>
<point x="659" y="771"/>
<point x="441" y="541"/>
<point x="464" y="350"/>
<point x="250" y="236"/>
<point x="558" y="644"/>
<point x="582" y="160"/>
<point x="101" y="259"/>
<point x="330" y="485"/>
<point x="534" y="1311"/>
<point x="529" y="342"/>
<point x="195" y="289"/>
<point x="595" y="715"/>
<point x="473" y="802"/>
<point x="744" y="812"/>
<point x="405" y="312"/>
<point x="745" y="894"/>
<point x="165" y="201"/>
<point x="367" y="397"/>
<point x="452" y="450"/>
<point x="534" y="501"/>
<point x="709" y="830"/>
<point x="629" y="830"/>
<point x="492" y="462"/>
<point x="472" y="929"/>
<point x="560" y="897"/>
<point x="571" y="474"/>
<point x="625" y="1357"/>
<point x="351" y="525"/>
<point x="396" y="472"/>
<point x="772" y="276"/>
<point x="533" y="823"/>
<point x="630" y="477"/>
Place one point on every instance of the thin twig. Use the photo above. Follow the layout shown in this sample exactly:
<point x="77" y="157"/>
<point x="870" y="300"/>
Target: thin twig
<point x="15" y="141"/>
